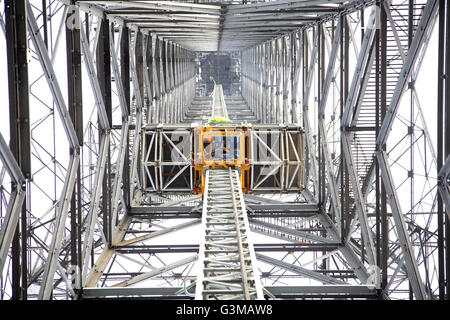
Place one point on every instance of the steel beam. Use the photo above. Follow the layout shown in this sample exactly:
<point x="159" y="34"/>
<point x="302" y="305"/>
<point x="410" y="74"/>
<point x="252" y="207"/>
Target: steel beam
<point x="157" y="271"/>
<point x="287" y="292"/>
<point x="298" y="269"/>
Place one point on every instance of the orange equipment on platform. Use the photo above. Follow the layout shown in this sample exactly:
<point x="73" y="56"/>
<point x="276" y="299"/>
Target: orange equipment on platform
<point x="221" y="146"/>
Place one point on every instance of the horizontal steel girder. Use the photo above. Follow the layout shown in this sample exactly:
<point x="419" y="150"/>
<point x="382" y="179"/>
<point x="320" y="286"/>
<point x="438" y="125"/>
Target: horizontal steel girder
<point x="345" y="291"/>
<point x="259" y="247"/>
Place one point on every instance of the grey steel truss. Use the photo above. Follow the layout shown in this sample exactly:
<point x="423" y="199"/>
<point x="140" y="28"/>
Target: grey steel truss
<point x="344" y="109"/>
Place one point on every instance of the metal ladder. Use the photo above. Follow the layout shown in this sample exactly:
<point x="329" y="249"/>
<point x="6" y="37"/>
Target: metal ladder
<point x="226" y="256"/>
<point x="201" y="109"/>
<point x="219" y="108"/>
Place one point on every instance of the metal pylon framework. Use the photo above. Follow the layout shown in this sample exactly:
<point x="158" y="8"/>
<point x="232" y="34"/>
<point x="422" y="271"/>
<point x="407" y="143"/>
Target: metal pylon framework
<point x="367" y="80"/>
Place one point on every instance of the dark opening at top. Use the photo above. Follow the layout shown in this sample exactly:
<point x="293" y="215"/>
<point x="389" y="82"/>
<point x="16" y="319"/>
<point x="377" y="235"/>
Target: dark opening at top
<point x="220" y="68"/>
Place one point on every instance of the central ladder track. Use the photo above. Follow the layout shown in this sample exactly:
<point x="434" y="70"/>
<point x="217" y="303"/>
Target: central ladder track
<point x="219" y="108"/>
<point x="227" y="259"/>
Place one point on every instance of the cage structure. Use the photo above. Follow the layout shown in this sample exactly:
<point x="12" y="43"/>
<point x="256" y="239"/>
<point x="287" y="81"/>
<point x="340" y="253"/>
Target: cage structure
<point x="98" y="190"/>
<point x="269" y="158"/>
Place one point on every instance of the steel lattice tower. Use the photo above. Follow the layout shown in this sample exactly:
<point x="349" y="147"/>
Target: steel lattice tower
<point x="344" y="110"/>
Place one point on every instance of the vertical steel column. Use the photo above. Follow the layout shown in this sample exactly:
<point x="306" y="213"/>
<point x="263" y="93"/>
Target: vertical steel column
<point x="272" y="83"/>
<point x="381" y="231"/>
<point x="278" y="66"/>
<point x="251" y="80"/>
<point x="305" y="59"/>
<point x="266" y="105"/>
<point x="320" y="63"/>
<point x="248" y="71"/>
<point x="248" y="67"/>
<point x="377" y="127"/>
<point x="181" y="86"/>
<point x="135" y="53"/>
<point x="45" y="22"/>
<point x="168" y="81"/>
<point x="170" y="65"/>
<point x="259" y="75"/>
<point x="176" y="85"/>
<point x="245" y="78"/>
<point x="156" y="88"/>
<point x="380" y="110"/>
<point x="443" y="112"/>
<point x="447" y="138"/>
<point x="105" y="130"/>
<point x="411" y="121"/>
<point x="163" y="79"/>
<point x="161" y="58"/>
<point x="255" y="80"/>
<point x="308" y="78"/>
<point x="123" y="139"/>
<point x="183" y="78"/>
<point x="344" y="89"/>
<point x="125" y="76"/>
<point x="16" y="46"/>
<point x="181" y="102"/>
<point x="103" y="61"/>
<point x="75" y="107"/>
<point x="320" y="136"/>
<point x="151" y="73"/>
<point x="244" y="75"/>
<point x="139" y="72"/>
<point x="382" y="114"/>
<point x="177" y="115"/>
<point x="146" y="77"/>
<point x="191" y="83"/>
<point x="296" y="87"/>
<point x="287" y="76"/>
<point x="332" y="186"/>
<point x="293" y="55"/>
<point x="139" y="64"/>
<point x="267" y="82"/>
